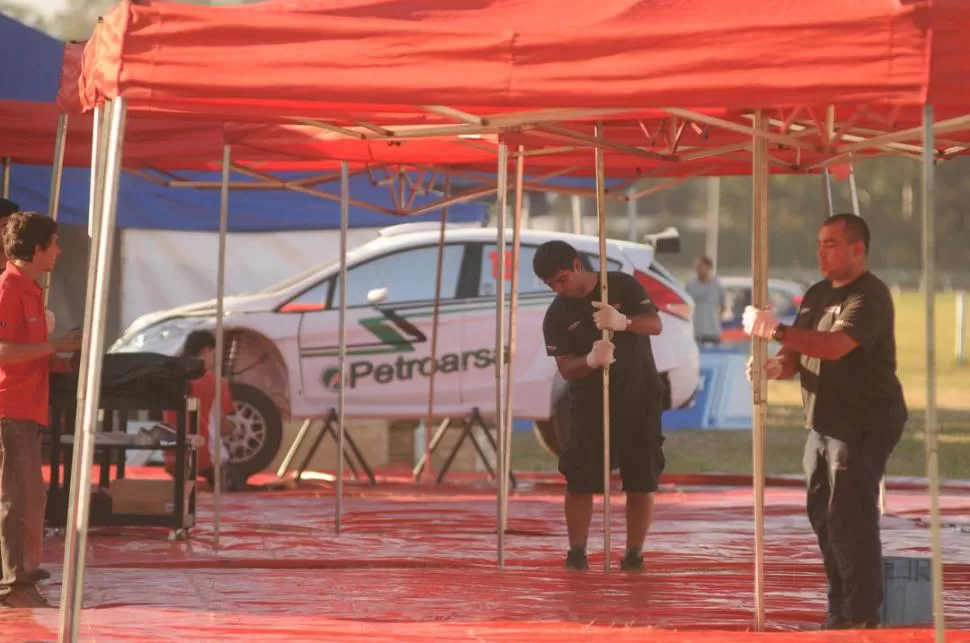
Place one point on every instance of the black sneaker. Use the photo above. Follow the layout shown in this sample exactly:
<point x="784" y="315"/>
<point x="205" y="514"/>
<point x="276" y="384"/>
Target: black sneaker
<point x="633" y="561"/>
<point x="576" y="561"/>
<point x="41" y="574"/>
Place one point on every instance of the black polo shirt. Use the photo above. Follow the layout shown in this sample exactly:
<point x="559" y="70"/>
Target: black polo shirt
<point x="569" y="329"/>
<point x="859" y="393"/>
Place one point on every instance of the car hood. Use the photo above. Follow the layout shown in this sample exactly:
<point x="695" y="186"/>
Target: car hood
<point x="234" y="305"/>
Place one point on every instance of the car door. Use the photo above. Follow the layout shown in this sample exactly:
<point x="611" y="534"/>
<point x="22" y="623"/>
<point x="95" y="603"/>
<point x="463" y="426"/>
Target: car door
<point x="533" y="370"/>
<point x="388" y="341"/>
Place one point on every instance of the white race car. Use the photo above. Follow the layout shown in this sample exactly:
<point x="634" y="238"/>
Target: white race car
<point x="282" y="343"/>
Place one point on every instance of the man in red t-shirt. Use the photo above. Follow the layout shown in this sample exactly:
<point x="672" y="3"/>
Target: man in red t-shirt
<point x="27" y="357"/>
<point x="201" y="345"/>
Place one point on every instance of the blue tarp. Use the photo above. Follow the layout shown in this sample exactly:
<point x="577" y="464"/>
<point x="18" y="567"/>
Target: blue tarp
<point x="143" y="204"/>
<point x="31" y="71"/>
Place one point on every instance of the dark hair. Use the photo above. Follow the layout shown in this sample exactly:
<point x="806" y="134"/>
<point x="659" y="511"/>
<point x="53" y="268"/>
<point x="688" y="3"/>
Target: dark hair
<point x="196" y="341"/>
<point x="553" y="256"/>
<point x="7" y="207"/>
<point x="24" y="231"/>
<point x="856" y="228"/>
<point x="706" y="261"/>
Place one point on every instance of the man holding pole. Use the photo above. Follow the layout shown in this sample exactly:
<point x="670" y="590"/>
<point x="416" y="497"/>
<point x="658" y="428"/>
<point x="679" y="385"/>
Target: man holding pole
<point x="572" y="330"/>
<point x="843" y="348"/>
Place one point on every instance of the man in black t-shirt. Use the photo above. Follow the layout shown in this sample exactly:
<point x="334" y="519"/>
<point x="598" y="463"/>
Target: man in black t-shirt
<point x="572" y="330"/>
<point x="843" y="348"/>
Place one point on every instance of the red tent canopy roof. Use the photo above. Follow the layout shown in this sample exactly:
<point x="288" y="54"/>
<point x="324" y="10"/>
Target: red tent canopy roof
<point x="307" y="58"/>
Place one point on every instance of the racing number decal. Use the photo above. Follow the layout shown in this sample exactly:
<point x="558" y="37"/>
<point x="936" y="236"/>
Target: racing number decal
<point x="493" y="255"/>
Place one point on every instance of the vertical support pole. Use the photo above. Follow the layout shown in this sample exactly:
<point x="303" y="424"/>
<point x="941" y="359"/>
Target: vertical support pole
<point x="854" y="193"/>
<point x="429" y="418"/>
<point x="631" y="214"/>
<point x="99" y="117"/>
<point x="759" y="264"/>
<point x="713" y="219"/>
<point x="89" y="397"/>
<point x="827" y="192"/>
<point x="5" y="180"/>
<point x="72" y="546"/>
<point x="826" y="175"/>
<point x="54" y="199"/>
<point x="932" y="438"/>
<point x="577" y="212"/>
<point x="960" y="349"/>
<point x="517" y="216"/>
<point x="604" y="297"/>
<point x="503" y="476"/>
<point x="214" y="439"/>
<point x="342" y="331"/>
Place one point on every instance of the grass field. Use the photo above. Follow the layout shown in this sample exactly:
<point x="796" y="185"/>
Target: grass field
<point x="730" y="451"/>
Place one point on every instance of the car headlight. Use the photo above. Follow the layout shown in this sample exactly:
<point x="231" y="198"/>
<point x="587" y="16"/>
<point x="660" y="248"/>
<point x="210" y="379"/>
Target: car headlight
<point x="164" y="337"/>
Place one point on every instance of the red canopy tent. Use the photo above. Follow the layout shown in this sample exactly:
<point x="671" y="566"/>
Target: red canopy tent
<point x="820" y="83"/>
<point x="298" y="58"/>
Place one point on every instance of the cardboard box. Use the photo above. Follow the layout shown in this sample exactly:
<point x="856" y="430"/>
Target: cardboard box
<point x="145" y="497"/>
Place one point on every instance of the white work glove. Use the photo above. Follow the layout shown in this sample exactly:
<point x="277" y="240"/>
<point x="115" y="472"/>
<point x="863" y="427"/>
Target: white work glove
<point x="772" y="369"/>
<point x="51" y="321"/>
<point x="759" y="323"/>
<point x="601" y="355"/>
<point x="607" y="317"/>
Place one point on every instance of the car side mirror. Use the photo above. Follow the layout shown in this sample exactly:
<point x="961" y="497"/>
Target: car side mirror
<point x="376" y="296"/>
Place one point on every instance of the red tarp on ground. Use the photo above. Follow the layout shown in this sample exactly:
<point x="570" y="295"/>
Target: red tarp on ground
<point x="417" y="562"/>
<point x="301" y="57"/>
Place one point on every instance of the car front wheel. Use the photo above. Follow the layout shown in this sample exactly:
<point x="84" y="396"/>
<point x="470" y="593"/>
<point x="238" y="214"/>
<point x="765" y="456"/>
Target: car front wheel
<point x="259" y="430"/>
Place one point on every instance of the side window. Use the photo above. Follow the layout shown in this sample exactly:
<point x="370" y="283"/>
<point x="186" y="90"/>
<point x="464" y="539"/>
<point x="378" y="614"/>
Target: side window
<point x="528" y="282"/>
<point x="409" y="275"/>
<point x="593" y="263"/>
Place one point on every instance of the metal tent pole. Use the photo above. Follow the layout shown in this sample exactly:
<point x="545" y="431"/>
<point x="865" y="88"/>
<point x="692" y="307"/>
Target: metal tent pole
<point x="342" y="331"/>
<point x="54" y="199"/>
<point x="932" y="430"/>
<point x="214" y="439"/>
<point x="513" y="323"/>
<point x="94" y="232"/>
<point x="600" y="167"/>
<point x="89" y="396"/>
<point x="502" y="193"/>
<point x="5" y="179"/>
<point x="759" y="261"/>
<point x="429" y="418"/>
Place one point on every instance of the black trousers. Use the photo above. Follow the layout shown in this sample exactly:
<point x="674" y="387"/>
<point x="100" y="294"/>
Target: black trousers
<point x="843" y="507"/>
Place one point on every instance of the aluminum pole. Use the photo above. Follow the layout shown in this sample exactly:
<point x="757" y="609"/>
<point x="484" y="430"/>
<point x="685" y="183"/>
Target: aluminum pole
<point x="854" y="193"/>
<point x="759" y="262"/>
<point x="54" y="198"/>
<point x="502" y="194"/>
<point x="94" y="231"/>
<point x="5" y="181"/>
<point x="631" y="214"/>
<point x="606" y="334"/>
<point x="214" y="439"/>
<point x="577" y="212"/>
<point x="960" y="348"/>
<point x="342" y="331"/>
<point x="517" y="213"/>
<point x="932" y="438"/>
<point x="97" y="167"/>
<point x="827" y="192"/>
<point x="429" y="417"/>
<point x="91" y="363"/>
<point x="713" y="219"/>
